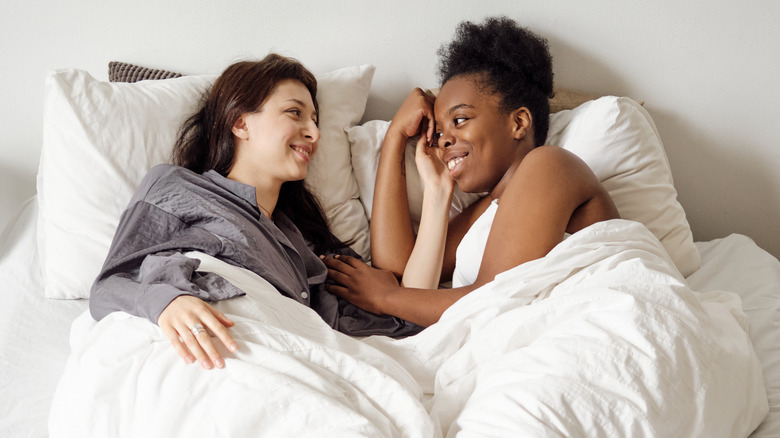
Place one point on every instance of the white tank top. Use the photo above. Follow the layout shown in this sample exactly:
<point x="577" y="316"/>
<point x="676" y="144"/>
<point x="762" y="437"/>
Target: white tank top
<point x="468" y="256"/>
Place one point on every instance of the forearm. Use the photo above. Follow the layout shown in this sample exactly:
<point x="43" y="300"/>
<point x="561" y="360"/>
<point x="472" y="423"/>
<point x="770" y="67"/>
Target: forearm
<point x="147" y="288"/>
<point x="121" y="294"/>
<point x="423" y="307"/>
<point x="423" y="270"/>
<point x="392" y="235"/>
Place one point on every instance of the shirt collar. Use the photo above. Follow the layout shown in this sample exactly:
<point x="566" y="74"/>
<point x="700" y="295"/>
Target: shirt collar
<point x="243" y="191"/>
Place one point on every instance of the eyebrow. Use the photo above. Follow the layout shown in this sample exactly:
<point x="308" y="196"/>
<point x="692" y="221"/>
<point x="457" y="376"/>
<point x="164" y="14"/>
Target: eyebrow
<point x="298" y="101"/>
<point x="459" y="106"/>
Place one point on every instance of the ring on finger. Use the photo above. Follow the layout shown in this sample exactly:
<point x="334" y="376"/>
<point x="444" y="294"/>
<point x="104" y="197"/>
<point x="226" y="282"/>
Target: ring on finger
<point x="197" y="328"/>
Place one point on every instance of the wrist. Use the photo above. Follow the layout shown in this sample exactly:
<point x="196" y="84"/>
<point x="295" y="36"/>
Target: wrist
<point x="438" y="194"/>
<point x="395" y="135"/>
<point x="385" y="302"/>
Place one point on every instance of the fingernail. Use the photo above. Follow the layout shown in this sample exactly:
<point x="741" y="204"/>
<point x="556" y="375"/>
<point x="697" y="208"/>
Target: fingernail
<point x="190" y="359"/>
<point x="233" y="348"/>
<point x="206" y="364"/>
<point x="220" y="363"/>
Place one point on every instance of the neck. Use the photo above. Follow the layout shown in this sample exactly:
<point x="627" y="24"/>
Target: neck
<point x="497" y="190"/>
<point x="266" y="191"/>
<point x="266" y="201"/>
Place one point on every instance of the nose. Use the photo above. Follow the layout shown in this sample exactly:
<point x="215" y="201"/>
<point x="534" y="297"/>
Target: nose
<point x="445" y="140"/>
<point x="312" y="131"/>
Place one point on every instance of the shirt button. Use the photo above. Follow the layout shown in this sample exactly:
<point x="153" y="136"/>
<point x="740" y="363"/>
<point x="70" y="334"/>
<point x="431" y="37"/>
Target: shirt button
<point x="304" y="295"/>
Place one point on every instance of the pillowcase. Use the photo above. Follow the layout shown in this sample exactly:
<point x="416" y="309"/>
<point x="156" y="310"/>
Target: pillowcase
<point x="365" y="143"/>
<point x="618" y="139"/>
<point x="100" y="139"/>
<point x="330" y="170"/>
<point x="615" y="136"/>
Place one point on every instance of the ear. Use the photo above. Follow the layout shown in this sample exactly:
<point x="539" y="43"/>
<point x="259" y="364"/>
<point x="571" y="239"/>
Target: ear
<point x="240" y="129"/>
<point x="522" y="123"/>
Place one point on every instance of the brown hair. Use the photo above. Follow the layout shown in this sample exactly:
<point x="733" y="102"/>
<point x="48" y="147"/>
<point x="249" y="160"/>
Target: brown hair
<point x="206" y="139"/>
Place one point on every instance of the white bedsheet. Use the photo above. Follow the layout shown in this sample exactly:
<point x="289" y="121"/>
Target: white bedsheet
<point x="602" y="337"/>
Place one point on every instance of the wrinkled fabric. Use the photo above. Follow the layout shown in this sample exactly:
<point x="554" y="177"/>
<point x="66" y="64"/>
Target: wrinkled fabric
<point x="175" y="210"/>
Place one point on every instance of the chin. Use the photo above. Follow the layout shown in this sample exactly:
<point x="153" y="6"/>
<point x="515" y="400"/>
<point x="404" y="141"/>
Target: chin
<point x="469" y="186"/>
<point x="464" y="187"/>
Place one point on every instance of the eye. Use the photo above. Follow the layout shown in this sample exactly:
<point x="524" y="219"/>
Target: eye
<point x="458" y="120"/>
<point x="294" y="111"/>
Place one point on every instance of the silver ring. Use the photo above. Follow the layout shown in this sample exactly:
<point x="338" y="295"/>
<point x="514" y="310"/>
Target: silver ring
<point x="197" y="328"/>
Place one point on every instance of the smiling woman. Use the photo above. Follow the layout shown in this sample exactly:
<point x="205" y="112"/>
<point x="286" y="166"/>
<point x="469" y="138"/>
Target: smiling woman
<point x="235" y="191"/>
<point x="491" y="117"/>
<point x="274" y="144"/>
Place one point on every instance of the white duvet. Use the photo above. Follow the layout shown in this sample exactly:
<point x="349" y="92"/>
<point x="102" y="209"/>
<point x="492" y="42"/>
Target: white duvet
<point x="601" y="338"/>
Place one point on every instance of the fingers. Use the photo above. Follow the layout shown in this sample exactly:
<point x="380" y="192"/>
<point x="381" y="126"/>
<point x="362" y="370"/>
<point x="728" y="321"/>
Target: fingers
<point x="339" y="291"/>
<point x="431" y="128"/>
<point x="219" y="328"/>
<point x="185" y="322"/>
<point x="339" y="262"/>
<point x="199" y="343"/>
<point x="415" y="116"/>
<point x="176" y="342"/>
<point x="421" y="149"/>
<point x="429" y="100"/>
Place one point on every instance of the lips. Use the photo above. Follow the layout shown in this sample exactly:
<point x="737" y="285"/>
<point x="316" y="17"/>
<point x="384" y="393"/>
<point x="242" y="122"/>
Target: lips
<point x="454" y="160"/>
<point x="302" y="150"/>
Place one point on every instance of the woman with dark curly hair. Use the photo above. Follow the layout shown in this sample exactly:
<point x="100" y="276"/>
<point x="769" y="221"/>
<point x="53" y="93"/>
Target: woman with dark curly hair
<point x="484" y="131"/>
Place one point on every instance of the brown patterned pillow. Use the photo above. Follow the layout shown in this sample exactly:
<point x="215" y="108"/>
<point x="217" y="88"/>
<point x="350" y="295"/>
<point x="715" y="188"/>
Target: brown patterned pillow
<point x="124" y="72"/>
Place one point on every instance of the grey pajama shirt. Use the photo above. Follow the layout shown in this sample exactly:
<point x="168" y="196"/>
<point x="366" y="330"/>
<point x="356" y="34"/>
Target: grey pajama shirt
<point x="175" y="210"/>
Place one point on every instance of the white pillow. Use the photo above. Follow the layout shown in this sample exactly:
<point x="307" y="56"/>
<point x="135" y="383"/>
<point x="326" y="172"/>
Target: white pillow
<point x="342" y="97"/>
<point x="365" y="143"/>
<point x="100" y="139"/>
<point x="615" y="136"/>
<point x="619" y="141"/>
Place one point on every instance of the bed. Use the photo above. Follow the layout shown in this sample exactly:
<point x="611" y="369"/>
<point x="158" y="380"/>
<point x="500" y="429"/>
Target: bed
<point x="629" y="328"/>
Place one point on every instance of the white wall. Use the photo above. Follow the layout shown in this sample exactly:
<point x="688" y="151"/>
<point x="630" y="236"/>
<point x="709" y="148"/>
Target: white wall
<point x="707" y="71"/>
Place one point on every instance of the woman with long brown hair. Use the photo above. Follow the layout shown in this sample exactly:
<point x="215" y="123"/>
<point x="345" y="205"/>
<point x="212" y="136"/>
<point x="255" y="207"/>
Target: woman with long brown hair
<point x="235" y="191"/>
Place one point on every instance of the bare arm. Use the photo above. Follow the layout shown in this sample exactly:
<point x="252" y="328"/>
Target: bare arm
<point x="423" y="270"/>
<point x="552" y="192"/>
<point x="392" y="236"/>
<point x="378" y="291"/>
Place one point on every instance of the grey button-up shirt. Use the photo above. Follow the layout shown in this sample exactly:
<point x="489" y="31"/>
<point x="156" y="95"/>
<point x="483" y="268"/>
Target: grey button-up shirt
<point x="175" y="210"/>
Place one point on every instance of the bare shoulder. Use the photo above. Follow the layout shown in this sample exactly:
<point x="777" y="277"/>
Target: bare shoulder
<point x="554" y="155"/>
<point x="553" y="173"/>
<point x="553" y="163"/>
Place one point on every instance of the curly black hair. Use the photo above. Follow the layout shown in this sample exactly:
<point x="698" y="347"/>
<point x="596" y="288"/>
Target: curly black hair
<point x="509" y="60"/>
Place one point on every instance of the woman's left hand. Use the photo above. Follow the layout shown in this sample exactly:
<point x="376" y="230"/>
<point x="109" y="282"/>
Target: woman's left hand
<point x="433" y="172"/>
<point x="359" y="283"/>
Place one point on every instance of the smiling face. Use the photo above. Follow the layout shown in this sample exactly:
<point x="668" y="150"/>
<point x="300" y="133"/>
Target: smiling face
<point x="477" y="141"/>
<point x="276" y="142"/>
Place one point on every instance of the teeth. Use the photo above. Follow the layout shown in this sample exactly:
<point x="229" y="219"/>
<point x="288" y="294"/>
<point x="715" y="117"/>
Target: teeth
<point x="301" y="150"/>
<point x="454" y="162"/>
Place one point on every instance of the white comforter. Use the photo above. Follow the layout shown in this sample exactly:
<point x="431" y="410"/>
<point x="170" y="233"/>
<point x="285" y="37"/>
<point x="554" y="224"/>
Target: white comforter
<point x="600" y="338"/>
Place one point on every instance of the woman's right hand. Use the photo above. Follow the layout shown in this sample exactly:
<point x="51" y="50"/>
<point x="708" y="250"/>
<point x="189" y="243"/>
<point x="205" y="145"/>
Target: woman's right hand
<point x="415" y="116"/>
<point x="177" y="322"/>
